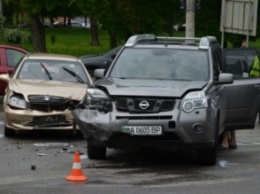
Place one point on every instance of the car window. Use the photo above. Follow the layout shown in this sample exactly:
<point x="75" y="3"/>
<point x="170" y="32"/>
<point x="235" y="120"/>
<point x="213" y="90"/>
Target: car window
<point x="111" y="52"/>
<point x="56" y="70"/>
<point x="240" y="63"/>
<point x="13" y="57"/>
<point x="161" y="63"/>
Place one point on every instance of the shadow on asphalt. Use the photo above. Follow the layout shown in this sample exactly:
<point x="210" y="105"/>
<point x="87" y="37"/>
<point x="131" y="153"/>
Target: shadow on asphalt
<point x="47" y="135"/>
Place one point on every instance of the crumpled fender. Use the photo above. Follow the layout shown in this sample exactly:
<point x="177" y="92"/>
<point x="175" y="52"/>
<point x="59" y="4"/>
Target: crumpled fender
<point x="94" y="124"/>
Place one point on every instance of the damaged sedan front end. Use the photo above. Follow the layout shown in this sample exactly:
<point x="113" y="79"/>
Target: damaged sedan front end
<point x="42" y="92"/>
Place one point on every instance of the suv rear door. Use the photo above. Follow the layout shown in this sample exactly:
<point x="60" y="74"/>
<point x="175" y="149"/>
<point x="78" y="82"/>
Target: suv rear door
<point x="241" y="100"/>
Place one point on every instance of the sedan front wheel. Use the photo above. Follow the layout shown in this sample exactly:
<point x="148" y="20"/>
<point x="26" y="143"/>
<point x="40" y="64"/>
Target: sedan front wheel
<point x="9" y="132"/>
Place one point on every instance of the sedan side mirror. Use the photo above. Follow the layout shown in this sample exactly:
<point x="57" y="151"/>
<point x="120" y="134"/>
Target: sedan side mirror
<point x="4" y="77"/>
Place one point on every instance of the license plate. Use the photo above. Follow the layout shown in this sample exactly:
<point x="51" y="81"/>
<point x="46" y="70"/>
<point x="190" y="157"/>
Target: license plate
<point x="142" y="130"/>
<point x="49" y="120"/>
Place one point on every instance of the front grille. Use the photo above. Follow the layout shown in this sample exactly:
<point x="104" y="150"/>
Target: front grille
<point x="153" y="105"/>
<point x="144" y="105"/>
<point x="47" y="103"/>
<point x="145" y="117"/>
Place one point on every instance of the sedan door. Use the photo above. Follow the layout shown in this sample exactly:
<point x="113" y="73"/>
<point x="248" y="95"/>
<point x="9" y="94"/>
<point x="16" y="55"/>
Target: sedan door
<point x="240" y="100"/>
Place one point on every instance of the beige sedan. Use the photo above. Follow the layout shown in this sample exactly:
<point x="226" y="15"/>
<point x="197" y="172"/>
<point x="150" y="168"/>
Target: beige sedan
<point x="42" y="91"/>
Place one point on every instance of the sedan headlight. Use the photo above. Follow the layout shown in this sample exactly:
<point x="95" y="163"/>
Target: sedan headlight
<point x="194" y="100"/>
<point x="17" y="102"/>
<point x="97" y="99"/>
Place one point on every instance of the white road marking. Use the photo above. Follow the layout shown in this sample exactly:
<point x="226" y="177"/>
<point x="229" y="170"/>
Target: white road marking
<point x="226" y="164"/>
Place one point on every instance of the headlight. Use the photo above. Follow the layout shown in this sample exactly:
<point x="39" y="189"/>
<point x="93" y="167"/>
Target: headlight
<point x="194" y="100"/>
<point x="17" y="102"/>
<point x="97" y="99"/>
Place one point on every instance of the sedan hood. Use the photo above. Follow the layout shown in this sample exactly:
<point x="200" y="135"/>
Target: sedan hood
<point x="53" y="88"/>
<point x="148" y="87"/>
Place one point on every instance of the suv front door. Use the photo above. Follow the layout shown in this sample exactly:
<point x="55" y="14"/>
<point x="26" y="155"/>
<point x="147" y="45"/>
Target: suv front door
<point x="241" y="100"/>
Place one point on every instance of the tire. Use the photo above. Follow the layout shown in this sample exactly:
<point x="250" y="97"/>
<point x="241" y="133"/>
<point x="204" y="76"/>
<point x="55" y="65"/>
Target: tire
<point x="9" y="132"/>
<point x="96" y="152"/>
<point x="208" y="156"/>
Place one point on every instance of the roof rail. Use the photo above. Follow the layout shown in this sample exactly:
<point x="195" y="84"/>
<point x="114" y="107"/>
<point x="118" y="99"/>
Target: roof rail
<point x="203" y="42"/>
<point x="134" y="39"/>
<point x="206" y="41"/>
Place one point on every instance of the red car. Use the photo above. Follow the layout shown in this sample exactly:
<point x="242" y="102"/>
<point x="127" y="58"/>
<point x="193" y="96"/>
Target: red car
<point x="9" y="58"/>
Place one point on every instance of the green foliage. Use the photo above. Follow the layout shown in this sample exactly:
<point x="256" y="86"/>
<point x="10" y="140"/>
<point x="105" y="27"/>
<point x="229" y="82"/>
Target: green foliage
<point x="119" y="18"/>
<point x="76" y="41"/>
<point x="16" y="35"/>
<point x="207" y="19"/>
<point x="53" y="38"/>
<point x="73" y="41"/>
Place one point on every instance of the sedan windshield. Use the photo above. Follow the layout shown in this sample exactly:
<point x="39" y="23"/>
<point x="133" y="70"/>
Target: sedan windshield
<point x="162" y="63"/>
<point x="56" y="70"/>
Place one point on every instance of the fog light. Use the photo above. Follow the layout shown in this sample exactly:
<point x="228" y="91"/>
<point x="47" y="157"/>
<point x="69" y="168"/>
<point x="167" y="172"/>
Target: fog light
<point x="92" y="127"/>
<point x="19" y="122"/>
<point x="198" y="128"/>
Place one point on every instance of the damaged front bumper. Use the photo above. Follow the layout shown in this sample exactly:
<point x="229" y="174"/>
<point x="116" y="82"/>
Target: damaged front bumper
<point x="92" y="123"/>
<point x="178" y="129"/>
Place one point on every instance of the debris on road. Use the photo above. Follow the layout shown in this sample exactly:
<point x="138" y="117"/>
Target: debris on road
<point x="41" y="154"/>
<point x="51" y="144"/>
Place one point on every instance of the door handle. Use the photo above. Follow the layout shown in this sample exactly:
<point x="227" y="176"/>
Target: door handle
<point x="257" y="86"/>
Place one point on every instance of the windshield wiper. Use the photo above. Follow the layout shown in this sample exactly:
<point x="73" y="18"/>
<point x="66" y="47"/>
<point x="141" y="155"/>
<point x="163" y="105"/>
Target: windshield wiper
<point x="47" y="72"/>
<point x="79" y="79"/>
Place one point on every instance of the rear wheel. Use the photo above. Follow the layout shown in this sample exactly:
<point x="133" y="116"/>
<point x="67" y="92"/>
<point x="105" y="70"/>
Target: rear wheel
<point x="9" y="132"/>
<point x="96" y="152"/>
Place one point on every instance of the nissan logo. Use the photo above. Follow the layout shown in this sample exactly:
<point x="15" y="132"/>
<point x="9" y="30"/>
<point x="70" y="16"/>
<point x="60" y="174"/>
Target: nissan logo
<point x="144" y="104"/>
<point x="46" y="98"/>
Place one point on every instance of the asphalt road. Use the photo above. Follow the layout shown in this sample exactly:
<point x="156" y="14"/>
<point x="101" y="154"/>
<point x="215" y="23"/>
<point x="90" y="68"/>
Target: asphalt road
<point x="147" y="172"/>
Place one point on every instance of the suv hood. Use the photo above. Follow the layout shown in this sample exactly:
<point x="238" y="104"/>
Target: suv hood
<point x="56" y="88"/>
<point x="149" y="87"/>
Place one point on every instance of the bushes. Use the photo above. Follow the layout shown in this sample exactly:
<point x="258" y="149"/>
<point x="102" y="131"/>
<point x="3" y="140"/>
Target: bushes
<point x="16" y="35"/>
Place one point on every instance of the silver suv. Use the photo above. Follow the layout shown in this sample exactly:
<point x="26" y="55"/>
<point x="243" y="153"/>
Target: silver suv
<point x="168" y="93"/>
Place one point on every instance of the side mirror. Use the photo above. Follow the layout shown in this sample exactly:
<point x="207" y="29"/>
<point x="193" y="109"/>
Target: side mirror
<point x="4" y="77"/>
<point x="99" y="73"/>
<point x="225" y="78"/>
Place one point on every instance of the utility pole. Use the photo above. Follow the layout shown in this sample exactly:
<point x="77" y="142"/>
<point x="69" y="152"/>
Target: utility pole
<point x="190" y="18"/>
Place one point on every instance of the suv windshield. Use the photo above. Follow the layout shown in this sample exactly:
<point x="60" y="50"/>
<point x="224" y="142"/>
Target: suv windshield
<point x="162" y="63"/>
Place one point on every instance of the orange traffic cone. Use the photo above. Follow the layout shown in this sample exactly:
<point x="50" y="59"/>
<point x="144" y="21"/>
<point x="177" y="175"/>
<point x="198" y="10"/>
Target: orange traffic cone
<point x="76" y="172"/>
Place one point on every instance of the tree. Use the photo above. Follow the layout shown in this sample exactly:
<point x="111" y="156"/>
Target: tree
<point x="207" y="19"/>
<point x="92" y="8"/>
<point x="34" y="10"/>
<point x="124" y="18"/>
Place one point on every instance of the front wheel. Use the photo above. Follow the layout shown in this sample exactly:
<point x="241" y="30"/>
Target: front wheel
<point x="96" y="152"/>
<point x="9" y="132"/>
<point x="208" y="156"/>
